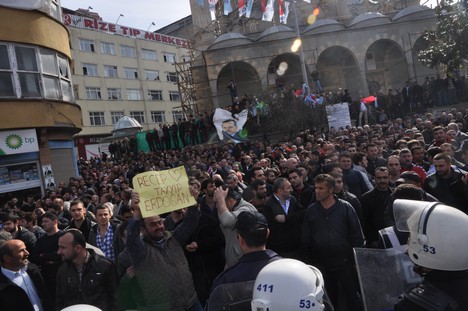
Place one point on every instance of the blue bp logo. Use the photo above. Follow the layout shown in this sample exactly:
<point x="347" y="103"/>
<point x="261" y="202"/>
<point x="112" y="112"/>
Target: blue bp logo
<point x="14" y="141"/>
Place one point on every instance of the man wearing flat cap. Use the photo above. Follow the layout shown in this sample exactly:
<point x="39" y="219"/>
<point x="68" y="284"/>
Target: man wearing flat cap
<point x="252" y="231"/>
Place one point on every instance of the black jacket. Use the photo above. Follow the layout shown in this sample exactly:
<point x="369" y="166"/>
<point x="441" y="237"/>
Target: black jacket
<point x="450" y="283"/>
<point x="451" y="191"/>
<point x="374" y="204"/>
<point x="285" y="238"/>
<point x="97" y="287"/>
<point x="329" y="235"/>
<point x="247" y="268"/>
<point x="13" y="297"/>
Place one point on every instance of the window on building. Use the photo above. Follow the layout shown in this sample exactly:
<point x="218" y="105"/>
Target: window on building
<point x="149" y="54"/>
<point x="127" y="51"/>
<point x="114" y="94"/>
<point x="174" y="96"/>
<point x="65" y="78"/>
<point x="86" y="45"/>
<point x="30" y="72"/>
<point x="6" y="74"/>
<point x="50" y="73"/>
<point x="152" y="74"/>
<point x="116" y="116"/>
<point x="133" y="94"/>
<point x="90" y="70"/>
<point x="138" y="115"/>
<point x="96" y="118"/>
<point x="55" y="10"/>
<point x="169" y="58"/>
<point x="131" y="73"/>
<point x="155" y="95"/>
<point x="176" y="115"/>
<point x="107" y="48"/>
<point x="172" y="77"/>
<point x="93" y="93"/>
<point x="110" y="71"/>
<point x="158" y="116"/>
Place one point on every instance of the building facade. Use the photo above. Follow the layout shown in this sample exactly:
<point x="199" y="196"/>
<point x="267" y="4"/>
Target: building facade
<point x="39" y="115"/>
<point x="362" y="46"/>
<point x="121" y="71"/>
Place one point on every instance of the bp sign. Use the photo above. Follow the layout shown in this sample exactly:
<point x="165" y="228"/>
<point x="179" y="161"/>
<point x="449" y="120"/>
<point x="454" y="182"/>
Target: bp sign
<point x="18" y="141"/>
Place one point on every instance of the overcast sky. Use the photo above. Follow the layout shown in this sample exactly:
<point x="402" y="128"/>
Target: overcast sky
<point x="137" y="13"/>
<point x="141" y="13"/>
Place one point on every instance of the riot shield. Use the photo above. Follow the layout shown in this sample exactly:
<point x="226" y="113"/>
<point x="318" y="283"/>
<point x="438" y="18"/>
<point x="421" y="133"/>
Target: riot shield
<point x="384" y="274"/>
<point x="231" y="297"/>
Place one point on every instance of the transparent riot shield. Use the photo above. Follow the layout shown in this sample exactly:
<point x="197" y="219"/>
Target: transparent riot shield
<point x="232" y="297"/>
<point x="384" y="274"/>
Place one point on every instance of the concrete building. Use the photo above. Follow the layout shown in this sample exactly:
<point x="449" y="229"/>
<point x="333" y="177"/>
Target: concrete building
<point x="121" y="71"/>
<point x="38" y="112"/>
<point x="363" y="46"/>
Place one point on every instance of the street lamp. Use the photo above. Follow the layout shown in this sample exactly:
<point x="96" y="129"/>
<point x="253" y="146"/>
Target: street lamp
<point x="121" y="15"/>
<point x="297" y="46"/>
<point x="152" y="24"/>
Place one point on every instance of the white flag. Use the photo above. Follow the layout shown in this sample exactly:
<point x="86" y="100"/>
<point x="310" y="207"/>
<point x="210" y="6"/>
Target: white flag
<point x="269" y="12"/>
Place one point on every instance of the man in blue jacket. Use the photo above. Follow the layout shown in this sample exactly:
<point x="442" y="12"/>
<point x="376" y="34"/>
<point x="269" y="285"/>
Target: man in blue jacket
<point x="252" y="230"/>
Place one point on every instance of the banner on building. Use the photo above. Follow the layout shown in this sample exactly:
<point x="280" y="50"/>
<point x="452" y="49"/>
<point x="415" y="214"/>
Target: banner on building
<point x="79" y="21"/>
<point x="163" y="191"/>
<point x="18" y="141"/>
<point x="338" y="115"/>
<point x="229" y="126"/>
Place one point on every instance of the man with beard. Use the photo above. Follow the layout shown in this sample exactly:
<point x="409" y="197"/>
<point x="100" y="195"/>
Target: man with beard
<point x="161" y="268"/>
<point x="374" y="204"/>
<point x="259" y="190"/>
<point x="284" y="215"/>
<point x="446" y="184"/>
<point x="373" y="159"/>
<point x="207" y="202"/>
<point x="21" y="284"/>
<point x="45" y="253"/>
<point x="406" y="162"/>
<point x="11" y="225"/>
<point x="85" y="277"/>
<point x="330" y="231"/>
<point x="302" y="192"/>
<point x="80" y="220"/>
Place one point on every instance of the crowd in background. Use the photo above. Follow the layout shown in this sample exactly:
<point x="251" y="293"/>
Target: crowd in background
<point x="423" y="158"/>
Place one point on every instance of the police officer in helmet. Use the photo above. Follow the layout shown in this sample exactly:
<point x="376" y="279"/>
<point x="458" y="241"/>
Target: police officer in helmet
<point x="438" y="246"/>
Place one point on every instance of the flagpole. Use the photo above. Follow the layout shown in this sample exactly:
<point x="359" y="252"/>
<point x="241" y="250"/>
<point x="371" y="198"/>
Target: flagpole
<point x="301" y="51"/>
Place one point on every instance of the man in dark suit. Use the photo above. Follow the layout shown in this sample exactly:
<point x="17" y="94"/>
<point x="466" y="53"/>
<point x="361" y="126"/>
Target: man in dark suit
<point x="284" y="215"/>
<point x="21" y="284"/>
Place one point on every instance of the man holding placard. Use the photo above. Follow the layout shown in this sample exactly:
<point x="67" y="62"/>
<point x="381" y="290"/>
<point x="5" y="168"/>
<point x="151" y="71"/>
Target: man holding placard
<point x="158" y="257"/>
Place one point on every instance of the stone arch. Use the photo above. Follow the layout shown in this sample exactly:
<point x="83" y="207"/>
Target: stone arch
<point x="338" y="68"/>
<point x="243" y="74"/>
<point x="285" y="68"/>
<point x="386" y="66"/>
<point x="420" y="70"/>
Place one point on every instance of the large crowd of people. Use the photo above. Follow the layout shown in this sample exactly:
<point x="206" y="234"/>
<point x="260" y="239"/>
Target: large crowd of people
<point x="313" y="197"/>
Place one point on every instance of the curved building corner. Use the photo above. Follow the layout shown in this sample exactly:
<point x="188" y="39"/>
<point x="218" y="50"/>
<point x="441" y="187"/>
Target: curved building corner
<point x="39" y="115"/>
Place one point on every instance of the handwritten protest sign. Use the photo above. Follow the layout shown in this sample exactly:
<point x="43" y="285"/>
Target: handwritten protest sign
<point x="163" y="191"/>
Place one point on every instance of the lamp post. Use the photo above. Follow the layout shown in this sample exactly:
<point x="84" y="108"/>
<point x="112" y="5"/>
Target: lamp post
<point x="121" y="15"/>
<point x="298" y="45"/>
<point x="152" y="24"/>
